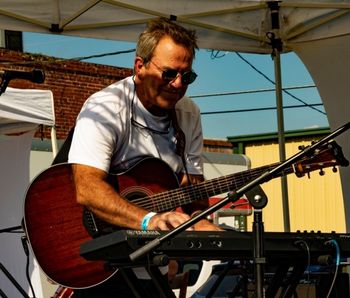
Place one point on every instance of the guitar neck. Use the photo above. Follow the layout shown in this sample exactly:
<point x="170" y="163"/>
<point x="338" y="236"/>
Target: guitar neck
<point x="204" y="190"/>
<point x="329" y="155"/>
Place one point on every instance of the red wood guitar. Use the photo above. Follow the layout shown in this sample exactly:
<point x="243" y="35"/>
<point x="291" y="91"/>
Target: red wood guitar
<point x="53" y="219"/>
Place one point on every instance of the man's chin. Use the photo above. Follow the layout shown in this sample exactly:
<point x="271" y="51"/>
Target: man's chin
<point x="170" y="100"/>
<point x="168" y="106"/>
<point x="161" y="108"/>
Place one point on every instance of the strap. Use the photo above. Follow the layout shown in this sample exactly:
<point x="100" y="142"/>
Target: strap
<point x="180" y="142"/>
<point x="62" y="155"/>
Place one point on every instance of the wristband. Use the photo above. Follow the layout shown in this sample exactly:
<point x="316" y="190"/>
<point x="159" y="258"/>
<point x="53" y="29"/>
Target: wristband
<point x="146" y="219"/>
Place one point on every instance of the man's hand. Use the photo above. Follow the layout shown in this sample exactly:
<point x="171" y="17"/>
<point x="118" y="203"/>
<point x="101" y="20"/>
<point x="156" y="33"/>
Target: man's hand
<point x="167" y="220"/>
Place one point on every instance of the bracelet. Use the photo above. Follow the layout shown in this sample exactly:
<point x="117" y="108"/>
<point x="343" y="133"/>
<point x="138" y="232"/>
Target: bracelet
<point x="146" y="219"/>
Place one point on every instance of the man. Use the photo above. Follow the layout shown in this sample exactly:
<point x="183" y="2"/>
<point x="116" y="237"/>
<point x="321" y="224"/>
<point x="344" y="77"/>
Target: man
<point x="140" y="116"/>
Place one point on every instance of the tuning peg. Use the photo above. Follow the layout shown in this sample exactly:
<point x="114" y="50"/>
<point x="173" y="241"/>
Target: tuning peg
<point x="322" y="172"/>
<point x="301" y="147"/>
<point x="334" y="169"/>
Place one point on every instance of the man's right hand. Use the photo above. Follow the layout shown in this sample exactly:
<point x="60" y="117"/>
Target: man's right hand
<point x="167" y="220"/>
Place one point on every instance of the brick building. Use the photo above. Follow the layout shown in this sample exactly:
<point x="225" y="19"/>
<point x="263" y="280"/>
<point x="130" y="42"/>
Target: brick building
<point x="71" y="83"/>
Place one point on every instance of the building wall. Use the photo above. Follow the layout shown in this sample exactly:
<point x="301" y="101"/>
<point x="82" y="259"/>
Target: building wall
<point x="71" y="82"/>
<point x="315" y="203"/>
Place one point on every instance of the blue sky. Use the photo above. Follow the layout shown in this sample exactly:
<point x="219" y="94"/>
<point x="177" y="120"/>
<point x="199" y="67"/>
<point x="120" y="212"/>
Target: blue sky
<point x="223" y="72"/>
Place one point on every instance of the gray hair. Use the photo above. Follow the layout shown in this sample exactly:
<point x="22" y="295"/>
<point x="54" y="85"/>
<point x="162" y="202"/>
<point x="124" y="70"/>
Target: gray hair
<point x="159" y="28"/>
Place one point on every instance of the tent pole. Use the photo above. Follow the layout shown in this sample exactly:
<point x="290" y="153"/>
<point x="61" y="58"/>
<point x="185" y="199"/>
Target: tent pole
<point x="277" y="46"/>
<point x="281" y="139"/>
<point x="54" y="141"/>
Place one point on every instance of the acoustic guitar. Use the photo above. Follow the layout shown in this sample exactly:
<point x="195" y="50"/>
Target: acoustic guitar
<point x="54" y="221"/>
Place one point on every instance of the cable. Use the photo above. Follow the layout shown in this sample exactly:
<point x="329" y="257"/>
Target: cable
<point x="254" y="110"/>
<point x="102" y="55"/>
<point x="19" y="229"/>
<point x="26" y="251"/>
<point x="52" y="60"/>
<point x="337" y="262"/>
<point x="2" y="294"/>
<point x="304" y="244"/>
<point x="250" y="91"/>
<point x="274" y="83"/>
<point x="214" y="54"/>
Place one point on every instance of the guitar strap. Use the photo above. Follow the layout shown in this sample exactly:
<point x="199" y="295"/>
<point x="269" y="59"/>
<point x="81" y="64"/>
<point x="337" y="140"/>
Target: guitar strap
<point x="62" y="155"/>
<point x="180" y="142"/>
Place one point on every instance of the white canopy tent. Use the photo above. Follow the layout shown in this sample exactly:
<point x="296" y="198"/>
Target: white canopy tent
<point x="221" y="24"/>
<point x="21" y="111"/>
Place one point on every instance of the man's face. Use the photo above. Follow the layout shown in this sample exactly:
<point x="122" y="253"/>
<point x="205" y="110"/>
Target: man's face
<point x="156" y="93"/>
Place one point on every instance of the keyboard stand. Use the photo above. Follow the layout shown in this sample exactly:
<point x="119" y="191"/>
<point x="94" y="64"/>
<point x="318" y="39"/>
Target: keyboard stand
<point x="132" y="282"/>
<point x="160" y="282"/>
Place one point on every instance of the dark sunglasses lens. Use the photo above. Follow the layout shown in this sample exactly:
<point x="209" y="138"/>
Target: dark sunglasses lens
<point x="169" y="74"/>
<point x="189" y="77"/>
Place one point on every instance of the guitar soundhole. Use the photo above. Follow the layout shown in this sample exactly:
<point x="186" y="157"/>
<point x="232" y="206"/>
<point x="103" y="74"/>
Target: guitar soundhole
<point x="139" y="195"/>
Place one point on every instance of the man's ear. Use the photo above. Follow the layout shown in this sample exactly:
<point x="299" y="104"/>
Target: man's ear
<point x="139" y="67"/>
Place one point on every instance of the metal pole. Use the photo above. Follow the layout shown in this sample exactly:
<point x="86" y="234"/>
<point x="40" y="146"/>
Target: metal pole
<point x="281" y="139"/>
<point x="277" y="46"/>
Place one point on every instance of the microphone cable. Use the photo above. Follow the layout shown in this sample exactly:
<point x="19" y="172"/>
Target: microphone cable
<point x="337" y="263"/>
<point x="24" y="241"/>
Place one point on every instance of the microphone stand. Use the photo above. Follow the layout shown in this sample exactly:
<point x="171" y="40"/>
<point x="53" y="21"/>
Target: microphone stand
<point x="6" y="272"/>
<point x="258" y="238"/>
<point x="11" y="229"/>
<point x="13" y="281"/>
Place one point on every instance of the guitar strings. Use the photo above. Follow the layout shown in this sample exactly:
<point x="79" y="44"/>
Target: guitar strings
<point x="173" y="198"/>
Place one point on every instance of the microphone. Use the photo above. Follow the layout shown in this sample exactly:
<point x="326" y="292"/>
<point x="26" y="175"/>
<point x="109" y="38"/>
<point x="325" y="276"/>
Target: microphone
<point x="35" y="76"/>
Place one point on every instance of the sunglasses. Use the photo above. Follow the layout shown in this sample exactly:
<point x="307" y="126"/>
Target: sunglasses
<point x="169" y="75"/>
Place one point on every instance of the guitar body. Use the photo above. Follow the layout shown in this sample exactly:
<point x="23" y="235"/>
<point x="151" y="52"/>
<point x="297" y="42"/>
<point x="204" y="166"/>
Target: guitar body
<point x="53" y="219"/>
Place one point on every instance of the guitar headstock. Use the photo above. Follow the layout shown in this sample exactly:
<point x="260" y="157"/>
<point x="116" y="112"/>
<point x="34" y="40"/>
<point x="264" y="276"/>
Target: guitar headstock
<point x="328" y="155"/>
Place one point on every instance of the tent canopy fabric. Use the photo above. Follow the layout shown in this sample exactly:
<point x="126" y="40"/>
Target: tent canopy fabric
<point x="221" y="24"/>
<point x="24" y="109"/>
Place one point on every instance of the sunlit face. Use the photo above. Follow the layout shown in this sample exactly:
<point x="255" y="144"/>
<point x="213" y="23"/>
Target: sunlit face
<point x="159" y="95"/>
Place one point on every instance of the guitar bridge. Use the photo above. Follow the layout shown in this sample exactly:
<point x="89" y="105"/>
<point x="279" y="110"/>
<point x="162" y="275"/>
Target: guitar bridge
<point x="90" y="223"/>
<point x="95" y="226"/>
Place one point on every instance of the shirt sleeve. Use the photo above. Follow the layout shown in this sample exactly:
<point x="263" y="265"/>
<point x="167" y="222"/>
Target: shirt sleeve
<point x="95" y="134"/>
<point x="190" y="122"/>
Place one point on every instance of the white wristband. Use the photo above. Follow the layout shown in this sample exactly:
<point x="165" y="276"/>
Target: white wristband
<point x="146" y="219"/>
